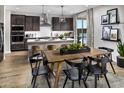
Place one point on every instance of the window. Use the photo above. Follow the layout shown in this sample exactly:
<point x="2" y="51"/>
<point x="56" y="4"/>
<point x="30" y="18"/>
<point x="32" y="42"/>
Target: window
<point x="81" y="25"/>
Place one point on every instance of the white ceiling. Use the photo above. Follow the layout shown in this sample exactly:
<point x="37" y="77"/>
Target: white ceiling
<point x="49" y="9"/>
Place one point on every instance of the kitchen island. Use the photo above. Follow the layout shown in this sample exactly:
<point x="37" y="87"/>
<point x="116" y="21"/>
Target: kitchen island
<point x="43" y="43"/>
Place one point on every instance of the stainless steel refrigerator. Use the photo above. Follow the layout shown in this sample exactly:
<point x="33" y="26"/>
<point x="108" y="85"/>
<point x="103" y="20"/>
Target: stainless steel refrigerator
<point x="1" y="42"/>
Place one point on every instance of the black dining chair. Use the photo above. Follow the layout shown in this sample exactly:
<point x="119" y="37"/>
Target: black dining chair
<point x="98" y="69"/>
<point x="109" y="56"/>
<point x="37" y="69"/>
<point x="74" y="73"/>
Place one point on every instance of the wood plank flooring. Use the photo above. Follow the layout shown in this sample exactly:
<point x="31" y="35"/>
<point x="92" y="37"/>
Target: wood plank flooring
<point x="15" y="69"/>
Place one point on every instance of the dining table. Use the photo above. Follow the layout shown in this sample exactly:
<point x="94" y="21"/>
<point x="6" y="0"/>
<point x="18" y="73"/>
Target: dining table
<point x="54" y="57"/>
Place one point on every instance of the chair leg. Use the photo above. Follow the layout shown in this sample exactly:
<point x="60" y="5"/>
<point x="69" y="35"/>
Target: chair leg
<point x="79" y="81"/>
<point x="87" y="75"/>
<point x="95" y="81"/>
<point x="48" y="81"/>
<point x="107" y="80"/>
<point x="32" y="80"/>
<point x="85" y="83"/>
<point x="65" y="81"/>
<point x="72" y="84"/>
<point x="112" y="67"/>
<point x="35" y="77"/>
<point x="98" y="77"/>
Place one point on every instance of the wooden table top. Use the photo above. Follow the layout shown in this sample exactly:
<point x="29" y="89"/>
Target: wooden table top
<point x="54" y="55"/>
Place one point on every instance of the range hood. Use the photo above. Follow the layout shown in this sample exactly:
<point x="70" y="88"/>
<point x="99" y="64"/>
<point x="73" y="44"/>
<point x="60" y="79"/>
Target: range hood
<point x="45" y="24"/>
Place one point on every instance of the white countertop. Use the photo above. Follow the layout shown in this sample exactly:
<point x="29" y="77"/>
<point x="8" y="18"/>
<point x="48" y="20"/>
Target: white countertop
<point x="49" y="40"/>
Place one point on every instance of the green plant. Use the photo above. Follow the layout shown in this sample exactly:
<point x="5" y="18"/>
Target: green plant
<point x="61" y="36"/>
<point x="75" y="46"/>
<point x="120" y="48"/>
<point x="66" y="34"/>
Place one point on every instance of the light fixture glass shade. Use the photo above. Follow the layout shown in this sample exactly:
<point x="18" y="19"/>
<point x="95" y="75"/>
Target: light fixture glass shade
<point x="43" y="19"/>
<point x="62" y="18"/>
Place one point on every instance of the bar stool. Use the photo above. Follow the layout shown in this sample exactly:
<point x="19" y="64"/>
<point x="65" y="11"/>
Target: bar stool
<point x="36" y="49"/>
<point x="51" y="47"/>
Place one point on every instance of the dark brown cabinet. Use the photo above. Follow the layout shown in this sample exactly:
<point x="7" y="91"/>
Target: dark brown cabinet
<point x="28" y="23"/>
<point x="36" y="23"/>
<point x="32" y="23"/>
<point x="17" y="19"/>
<point x="69" y="23"/>
<point x="66" y="26"/>
<point x="55" y="24"/>
<point x="19" y="24"/>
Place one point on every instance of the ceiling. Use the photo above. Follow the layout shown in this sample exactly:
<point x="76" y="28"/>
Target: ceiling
<point x="49" y="9"/>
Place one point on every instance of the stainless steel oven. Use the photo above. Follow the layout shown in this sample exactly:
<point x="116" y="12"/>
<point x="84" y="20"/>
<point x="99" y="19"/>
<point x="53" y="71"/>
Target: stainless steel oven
<point x="18" y="38"/>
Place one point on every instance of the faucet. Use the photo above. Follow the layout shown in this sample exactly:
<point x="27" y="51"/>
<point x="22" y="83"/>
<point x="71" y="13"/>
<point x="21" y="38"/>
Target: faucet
<point x="51" y="36"/>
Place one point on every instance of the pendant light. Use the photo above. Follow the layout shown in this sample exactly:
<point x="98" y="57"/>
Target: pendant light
<point x="44" y="18"/>
<point x="62" y="18"/>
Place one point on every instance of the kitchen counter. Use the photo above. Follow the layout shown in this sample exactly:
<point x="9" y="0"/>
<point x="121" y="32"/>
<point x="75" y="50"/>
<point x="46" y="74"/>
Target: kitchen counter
<point x="38" y="37"/>
<point x="43" y="41"/>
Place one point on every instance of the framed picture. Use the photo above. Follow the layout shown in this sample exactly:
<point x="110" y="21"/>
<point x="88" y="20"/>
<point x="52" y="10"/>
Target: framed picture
<point x="104" y="19"/>
<point x="106" y="32"/>
<point x="114" y="34"/>
<point x="113" y="18"/>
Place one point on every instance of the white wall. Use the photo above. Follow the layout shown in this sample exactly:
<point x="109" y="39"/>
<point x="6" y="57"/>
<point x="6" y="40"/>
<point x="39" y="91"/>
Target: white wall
<point x="7" y="32"/>
<point x="102" y="10"/>
<point x="1" y="14"/>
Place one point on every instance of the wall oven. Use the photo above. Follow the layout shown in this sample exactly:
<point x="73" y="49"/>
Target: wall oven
<point x="17" y="37"/>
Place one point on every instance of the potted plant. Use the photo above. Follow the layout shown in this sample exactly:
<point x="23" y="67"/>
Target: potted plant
<point x="66" y="35"/>
<point x="61" y="36"/>
<point x="74" y="48"/>
<point x="120" y="58"/>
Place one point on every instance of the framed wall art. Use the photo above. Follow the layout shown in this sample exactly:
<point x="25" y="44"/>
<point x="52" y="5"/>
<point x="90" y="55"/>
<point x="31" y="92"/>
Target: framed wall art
<point x="104" y="19"/>
<point x="106" y="30"/>
<point x="113" y="16"/>
<point x="114" y="34"/>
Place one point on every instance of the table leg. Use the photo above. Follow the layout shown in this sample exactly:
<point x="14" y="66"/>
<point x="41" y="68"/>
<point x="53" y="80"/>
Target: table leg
<point x="59" y="68"/>
<point x="52" y="67"/>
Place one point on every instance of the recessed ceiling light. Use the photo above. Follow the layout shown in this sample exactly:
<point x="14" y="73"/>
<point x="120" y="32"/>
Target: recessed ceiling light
<point x="86" y="5"/>
<point x="17" y="8"/>
<point x="48" y="10"/>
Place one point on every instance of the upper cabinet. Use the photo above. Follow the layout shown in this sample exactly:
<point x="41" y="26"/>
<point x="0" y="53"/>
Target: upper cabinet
<point x="17" y="19"/>
<point x="28" y="25"/>
<point x="66" y="26"/>
<point x="36" y="23"/>
<point x="55" y="24"/>
<point x="32" y="23"/>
